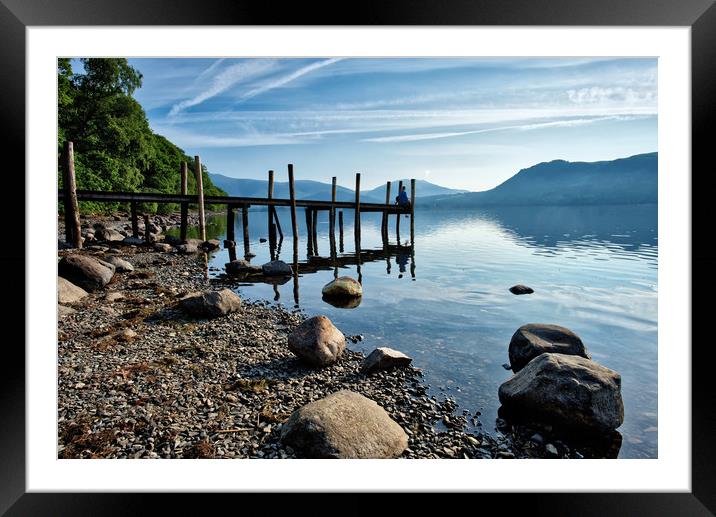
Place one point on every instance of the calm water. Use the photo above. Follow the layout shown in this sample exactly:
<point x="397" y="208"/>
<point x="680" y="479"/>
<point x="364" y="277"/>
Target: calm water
<point x="593" y="269"/>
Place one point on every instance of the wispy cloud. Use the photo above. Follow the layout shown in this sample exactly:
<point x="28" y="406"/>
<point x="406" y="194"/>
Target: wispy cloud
<point x="227" y="78"/>
<point x="281" y="81"/>
<point x="599" y="94"/>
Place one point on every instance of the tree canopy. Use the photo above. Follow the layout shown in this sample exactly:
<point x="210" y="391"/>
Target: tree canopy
<point x="115" y="149"/>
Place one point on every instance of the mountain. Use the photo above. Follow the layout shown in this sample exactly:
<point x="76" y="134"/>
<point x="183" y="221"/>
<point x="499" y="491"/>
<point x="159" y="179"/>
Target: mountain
<point x="308" y="189"/>
<point x="630" y="180"/>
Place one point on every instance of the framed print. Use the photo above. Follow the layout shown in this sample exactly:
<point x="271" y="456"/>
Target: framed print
<point x="550" y="322"/>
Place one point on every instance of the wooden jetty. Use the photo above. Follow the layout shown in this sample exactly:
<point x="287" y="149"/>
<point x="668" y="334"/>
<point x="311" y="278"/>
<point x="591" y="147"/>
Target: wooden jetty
<point x="70" y="197"/>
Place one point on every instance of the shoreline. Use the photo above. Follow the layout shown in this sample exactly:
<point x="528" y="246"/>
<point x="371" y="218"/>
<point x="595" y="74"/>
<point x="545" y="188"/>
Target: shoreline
<point x="140" y="379"/>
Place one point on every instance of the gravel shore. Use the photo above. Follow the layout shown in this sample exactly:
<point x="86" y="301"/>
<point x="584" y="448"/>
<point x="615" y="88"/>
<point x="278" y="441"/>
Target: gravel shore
<point x="138" y="378"/>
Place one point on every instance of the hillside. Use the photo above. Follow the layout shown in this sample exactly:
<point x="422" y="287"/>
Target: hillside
<point x="630" y="180"/>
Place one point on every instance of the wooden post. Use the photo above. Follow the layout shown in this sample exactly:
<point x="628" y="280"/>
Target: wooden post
<point x="147" y="233"/>
<point x="309" y="232"/>
<point x="73" y="229"/>
<point x="278" y="223"/>
<point x="340" y="230"/>
<point x="357" y="209"/>
<point x="272" y="243"/>
<point x="384" y="225"/>
<point x="397" y="216"/>
<point x="332" y="222"/>
<point x="314" y="231"/>
<point x="135" y="221"/>
<point x="200" y="193"/>
<point x="294" y="223"/>
<point x="232" y="253"/>
<point x="412" y="211"/>
<point x="183" y="172"/>
<point x="230" y="233"/>
<point x="245" y="224"/>
<point x="271" y="232"/>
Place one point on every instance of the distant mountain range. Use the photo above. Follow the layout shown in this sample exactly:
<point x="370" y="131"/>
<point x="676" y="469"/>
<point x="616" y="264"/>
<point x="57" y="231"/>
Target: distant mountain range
<point x="308" y="189"/>
<point x="630" y="180"/>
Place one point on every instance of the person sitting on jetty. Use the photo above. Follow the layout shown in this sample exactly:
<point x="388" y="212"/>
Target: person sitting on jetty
<point x="402" y="199"/>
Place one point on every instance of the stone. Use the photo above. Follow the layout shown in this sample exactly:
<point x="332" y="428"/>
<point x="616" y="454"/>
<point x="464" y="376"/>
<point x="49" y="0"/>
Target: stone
<point x="132" y="241"/>
<point x="229" y="244"/>
<point x="114" y="296"/>
<point x="521" y="289"/>
<point x="88" y="273"/>
<point x="551" y="449"/>
<point x="343" y="302"/>
<point x="125" y="335"/>
<point x="566" y="390"/>
<point x="63" y="311"/>
<point x="342" y="287"/>
<point x="211" y="304"/>
<point x="534" y="339"/>
<point x="211" y="245"/>
<point x="107" y="234"/>
<point x="384" y="358"/>
<point x="317" y="341"/>
<point x="162" y="247"/>
<point x="242" y="267"/>
<point x="277" y="268"/>
<point x="188" y="248"/>
<point x="67" y="292"/>
<point x="344" y="425"/>
<point x="120" y="265"/>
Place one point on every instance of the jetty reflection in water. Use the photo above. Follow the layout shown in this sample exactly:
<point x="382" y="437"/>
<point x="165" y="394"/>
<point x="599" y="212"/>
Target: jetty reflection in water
<point x="593" y="269"/>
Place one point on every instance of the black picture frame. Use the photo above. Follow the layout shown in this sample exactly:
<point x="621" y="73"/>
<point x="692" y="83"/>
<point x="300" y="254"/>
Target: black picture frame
<point x="700" y="15"/>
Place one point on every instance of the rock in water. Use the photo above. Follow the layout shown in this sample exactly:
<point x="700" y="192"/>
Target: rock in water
<point x="567" y="390"/>
<point x="211" y="304"/>
<point x="277" y="268"/>
<point x="242" y="267"/>
<point x="67" y="292"/>
<point x="383" y="359"/>
<point x="343" y="302"/>
<point x="344" y="425"/>
<point x="343" y="286"/>
<point x="521" y="289"/>
<point x="210" y="245"/>
<point x="317" y="341"/>
<point x="534" y="339"/>
<point x="87" y="272"/>
<point x="120" y="265"/>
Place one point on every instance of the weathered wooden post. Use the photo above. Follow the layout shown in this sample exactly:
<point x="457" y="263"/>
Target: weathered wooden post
<point x="340" y="230"/>
<point x="73" y="229"/>
<point x="230" y="231"/>
<point x="200" y="193"/>
<point x="314" y="230"/>
<point x="357" y="210"/>
<point x="270" y="211"/>
<point x="184" y="224"/>
<point x="245" y="224"/>
<point x="397" y="216"/>
<point x="294" y="223"/>
<point x="332" y="221"/>
<point x="309" y="232"/>
<point x="412" y="211"/>
<point x="384" y="222"/>
<point x="135" y="220"/>
<point x="147" y="233"/>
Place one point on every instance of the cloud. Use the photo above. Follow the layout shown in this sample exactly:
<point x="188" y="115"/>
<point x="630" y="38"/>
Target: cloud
<point x="598" y="94"/>
<point x="281" y="81"/>
<point x="228" y="77"/>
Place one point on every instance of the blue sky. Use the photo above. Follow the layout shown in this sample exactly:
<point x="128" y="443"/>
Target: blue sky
<point x="461" y="123"/>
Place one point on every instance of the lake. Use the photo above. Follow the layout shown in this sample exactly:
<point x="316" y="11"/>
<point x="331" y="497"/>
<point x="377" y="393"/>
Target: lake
<point x="593" y="270"/>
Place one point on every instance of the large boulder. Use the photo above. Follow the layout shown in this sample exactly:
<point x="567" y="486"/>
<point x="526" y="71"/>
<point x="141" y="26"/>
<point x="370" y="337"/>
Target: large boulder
<point x="317" y="341"/>
<point x="534" y="339"/>
<point x="211" y="304"/>
<point x="87" y="272"/>
<point x="67" y="292"/>
<point x="342" y="287"/>
<point x="384" y="358"/>
<point x="188" y="248"/>
<point x="242" y="268"/>
<point x="344" y="425"/>
<point x="107" y="234"/>
<point x="277" y="268"/>
<point x="566" y="390"/>
<point x="120" y="265"/>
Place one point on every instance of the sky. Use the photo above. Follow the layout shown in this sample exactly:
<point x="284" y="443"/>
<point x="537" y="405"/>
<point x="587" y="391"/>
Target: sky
<point x="461" y="123"/>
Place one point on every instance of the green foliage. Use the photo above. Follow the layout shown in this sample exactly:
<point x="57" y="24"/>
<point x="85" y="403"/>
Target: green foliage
<point x="115" y="149"/>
